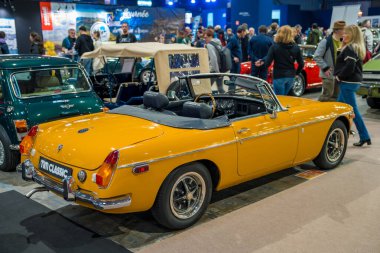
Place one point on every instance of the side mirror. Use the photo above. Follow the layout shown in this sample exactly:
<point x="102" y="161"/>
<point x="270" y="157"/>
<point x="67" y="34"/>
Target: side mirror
<point x="274" y="114"/>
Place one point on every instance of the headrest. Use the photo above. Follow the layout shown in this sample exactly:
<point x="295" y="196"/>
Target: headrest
<point x="155" y="100"/>
<point x="196" y="110"/>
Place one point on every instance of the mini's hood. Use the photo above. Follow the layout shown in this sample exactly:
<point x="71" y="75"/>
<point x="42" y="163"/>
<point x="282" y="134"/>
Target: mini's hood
<point x="86" y="141"/>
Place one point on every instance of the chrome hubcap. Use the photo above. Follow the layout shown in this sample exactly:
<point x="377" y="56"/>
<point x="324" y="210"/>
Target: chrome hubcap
<point x="187" y="195"/>
<point x="335" y="145"/>
<point x="298" y="86"/>
<point x="2" y="153"/>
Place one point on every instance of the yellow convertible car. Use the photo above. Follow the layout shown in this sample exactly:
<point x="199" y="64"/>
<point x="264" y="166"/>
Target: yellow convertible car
<point x="171" y="153"/>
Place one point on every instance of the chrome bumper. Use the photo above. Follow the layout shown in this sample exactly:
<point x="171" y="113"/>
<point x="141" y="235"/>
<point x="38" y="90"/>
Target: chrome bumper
<point x="69" y="190"/>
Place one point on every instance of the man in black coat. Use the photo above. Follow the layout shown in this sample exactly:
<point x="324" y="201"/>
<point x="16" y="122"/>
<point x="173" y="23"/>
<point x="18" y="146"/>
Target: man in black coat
<point x="84" y="44"/>
<point x="258" y="49"/>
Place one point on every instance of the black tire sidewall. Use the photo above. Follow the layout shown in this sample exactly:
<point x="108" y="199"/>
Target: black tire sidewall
<point x="321" y="161"/>
<point x="10" y="157"/>
<point x="161" y="209"/>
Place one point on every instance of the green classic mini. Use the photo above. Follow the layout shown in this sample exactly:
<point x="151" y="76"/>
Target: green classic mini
<point x="370" y="88"/>
<point x="37" y="89"/>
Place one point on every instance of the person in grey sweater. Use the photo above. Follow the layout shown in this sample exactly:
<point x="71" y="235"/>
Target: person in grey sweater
<point x="325" y="57"/>
<point x="213" y="57"/>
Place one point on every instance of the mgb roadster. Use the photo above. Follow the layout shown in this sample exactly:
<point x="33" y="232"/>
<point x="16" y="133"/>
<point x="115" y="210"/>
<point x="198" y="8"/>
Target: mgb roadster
<point x="172" y="152"/>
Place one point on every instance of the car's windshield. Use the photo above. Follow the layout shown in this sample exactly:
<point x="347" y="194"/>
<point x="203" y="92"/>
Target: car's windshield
<point x="220" y="85"/>
<point x="45" y="82"/>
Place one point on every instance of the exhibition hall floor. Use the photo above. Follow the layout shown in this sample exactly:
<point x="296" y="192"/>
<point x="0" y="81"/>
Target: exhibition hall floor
<point x="336" y="211"/>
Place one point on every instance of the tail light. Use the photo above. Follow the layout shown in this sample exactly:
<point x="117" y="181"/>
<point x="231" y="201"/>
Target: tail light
<point x="106" y="170"/>
<point x="27" y="142"/>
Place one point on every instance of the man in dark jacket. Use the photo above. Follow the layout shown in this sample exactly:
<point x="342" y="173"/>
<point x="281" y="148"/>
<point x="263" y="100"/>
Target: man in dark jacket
<point x="235" y="48"/>
<point x="244" y="41"/>
<point x="84" y="44"/>
<point x="258" y="48"/>
<point x="125" y="36"/>
<point x="3" y="44"/>
<point x="315" y="35"/>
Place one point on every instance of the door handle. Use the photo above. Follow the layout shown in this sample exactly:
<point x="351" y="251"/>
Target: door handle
<point x="243" y="130"/>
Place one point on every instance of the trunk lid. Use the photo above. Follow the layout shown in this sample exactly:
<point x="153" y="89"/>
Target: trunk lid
<point x="86" y="141"/>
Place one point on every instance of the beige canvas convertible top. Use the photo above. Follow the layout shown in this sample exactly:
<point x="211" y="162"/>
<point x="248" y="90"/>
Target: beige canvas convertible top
<point x="160" y="52"/>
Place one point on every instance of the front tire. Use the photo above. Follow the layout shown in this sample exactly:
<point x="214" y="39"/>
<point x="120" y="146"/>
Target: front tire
<point x="334" y="147"/>
<point x="299" y="86"/>
<point x="8" y="158"/>
<point x="183" y="196"/>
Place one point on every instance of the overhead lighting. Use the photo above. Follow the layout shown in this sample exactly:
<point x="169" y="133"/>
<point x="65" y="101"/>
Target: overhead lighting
<point x="170" y="3"/>
<point x="144" y="3"/>
<point x="192" y="1"/>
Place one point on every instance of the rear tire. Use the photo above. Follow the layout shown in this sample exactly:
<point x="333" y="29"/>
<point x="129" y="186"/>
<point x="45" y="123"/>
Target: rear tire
<point x="299" y="86"/>
<point x="334" y="147"/>
<point x="8" y="158"/>
<point x="183" y="196"/>
<point x="373" y="102"/>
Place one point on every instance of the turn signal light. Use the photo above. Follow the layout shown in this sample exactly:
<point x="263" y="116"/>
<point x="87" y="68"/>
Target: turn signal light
<point x="105" y="109"/>
<point x="141" y="169"/>
<point x="27" y="142"/>
<point x="21" y="126"/>
<point x="104" y="175"/>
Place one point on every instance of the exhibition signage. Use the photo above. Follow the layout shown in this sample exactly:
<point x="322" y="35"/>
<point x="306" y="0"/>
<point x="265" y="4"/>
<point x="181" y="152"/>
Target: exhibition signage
<point x="145" y="22"/>
<point x="8" y="26"/>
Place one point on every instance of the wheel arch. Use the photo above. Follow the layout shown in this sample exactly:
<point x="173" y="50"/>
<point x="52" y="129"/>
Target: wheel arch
<point x="345" y="122"/>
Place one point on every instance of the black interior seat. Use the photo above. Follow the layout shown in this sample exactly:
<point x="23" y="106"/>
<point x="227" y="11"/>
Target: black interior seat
<point x="196" y="110"/>
<point x="156" y="101"/>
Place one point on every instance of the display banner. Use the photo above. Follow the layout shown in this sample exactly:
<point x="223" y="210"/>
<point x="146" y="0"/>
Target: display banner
<point x="46" y="20"/>
<point x="145" y="22"/>
<point x="8" y="26"/>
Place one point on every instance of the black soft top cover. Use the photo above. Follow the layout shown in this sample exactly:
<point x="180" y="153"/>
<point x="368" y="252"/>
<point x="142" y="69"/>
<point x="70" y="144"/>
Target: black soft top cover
<point x="172" y="120"/>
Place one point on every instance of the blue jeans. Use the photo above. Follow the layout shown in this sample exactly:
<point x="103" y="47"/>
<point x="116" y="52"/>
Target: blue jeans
<point x="347" y="95"/>
<point x="282" y="86"/>
<point x="87" y="64"/>
<point x="260" y="72"/>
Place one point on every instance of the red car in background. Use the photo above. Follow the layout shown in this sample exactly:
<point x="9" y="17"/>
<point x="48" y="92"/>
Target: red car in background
<point x="308" y="79"/>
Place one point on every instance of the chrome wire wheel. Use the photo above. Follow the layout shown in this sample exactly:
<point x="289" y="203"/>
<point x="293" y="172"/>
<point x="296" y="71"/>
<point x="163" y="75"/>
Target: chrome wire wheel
<point x="335" y="145"/>
<point x="187" y="195"/>
<point x="298" y="86"/>
<point x="2" y="154"/>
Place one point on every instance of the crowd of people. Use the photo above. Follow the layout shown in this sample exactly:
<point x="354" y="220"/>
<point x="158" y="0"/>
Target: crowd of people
<point x="340" y="54"/>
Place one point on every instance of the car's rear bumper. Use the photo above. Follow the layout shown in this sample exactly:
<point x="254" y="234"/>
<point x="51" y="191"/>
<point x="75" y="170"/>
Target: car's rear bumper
<point x="69" y="190"/>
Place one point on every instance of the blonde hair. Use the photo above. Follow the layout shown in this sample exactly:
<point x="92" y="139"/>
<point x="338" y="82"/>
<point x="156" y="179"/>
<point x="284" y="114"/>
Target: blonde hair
<point x="356" y="40"/>
<point x="284" y="35"/>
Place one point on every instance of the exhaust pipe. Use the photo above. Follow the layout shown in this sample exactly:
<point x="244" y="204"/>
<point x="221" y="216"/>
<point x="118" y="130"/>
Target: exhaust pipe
<point x="35" y="190"/>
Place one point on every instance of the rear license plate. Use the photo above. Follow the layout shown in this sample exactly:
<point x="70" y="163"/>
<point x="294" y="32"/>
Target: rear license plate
<point x="54" y="169"/>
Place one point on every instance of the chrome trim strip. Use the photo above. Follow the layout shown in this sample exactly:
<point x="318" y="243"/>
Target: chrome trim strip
<point x="51" y="185"/>
<point x="230" y="142"/>
<point x="174" y="156"/>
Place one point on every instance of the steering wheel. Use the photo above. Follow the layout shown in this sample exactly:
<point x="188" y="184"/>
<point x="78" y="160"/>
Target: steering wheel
<point x="213" y="106"/>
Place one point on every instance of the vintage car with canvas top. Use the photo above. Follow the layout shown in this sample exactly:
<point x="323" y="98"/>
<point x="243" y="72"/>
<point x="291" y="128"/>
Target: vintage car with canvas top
<point x="308" y="79"/>
<point x="370" y="87"/>
<point x="36" y="89"/>
<point x="179" y="59"/>
<point x="171" y="153"/>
